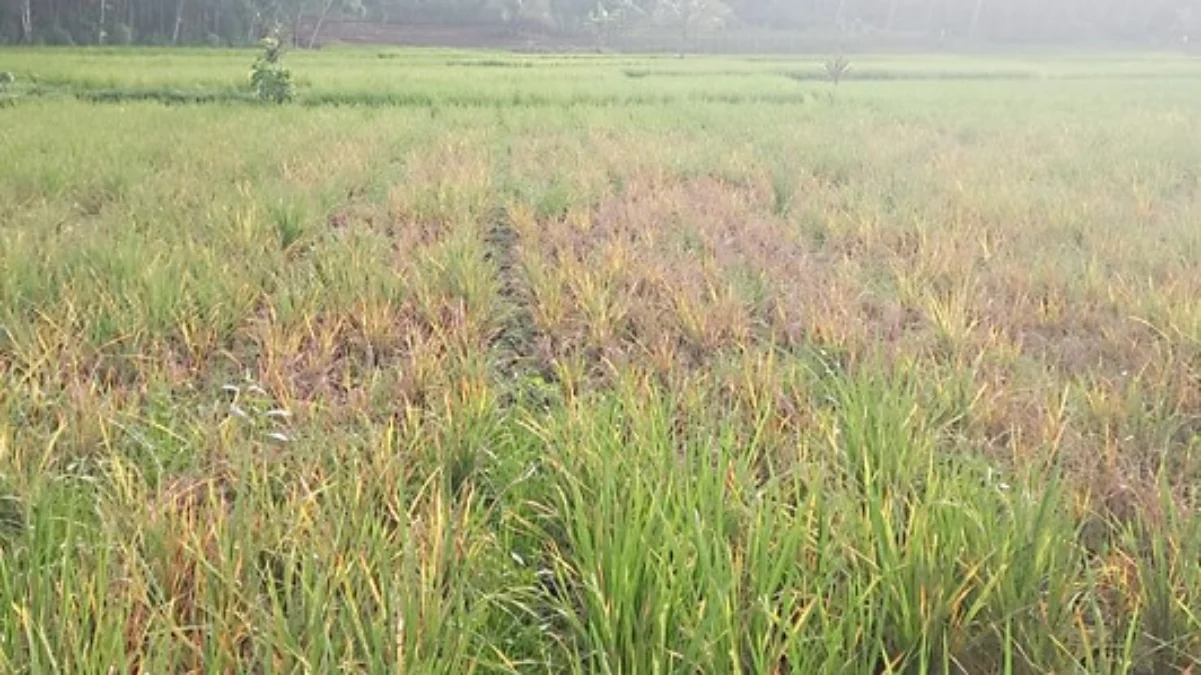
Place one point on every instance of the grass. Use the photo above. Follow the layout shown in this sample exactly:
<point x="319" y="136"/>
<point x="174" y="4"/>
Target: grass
<point x="555" y="368"/>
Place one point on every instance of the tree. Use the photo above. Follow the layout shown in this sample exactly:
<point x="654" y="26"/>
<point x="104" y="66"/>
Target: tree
<point x="243" y="21"/>
<point x="27" y="22"/>
<point x="178" y="22"/>
<point x="272" y="82"/>
<point x="571" y="15"/>
<point x="692" y="16"/>
<point x="517" y="15"/>
<point x="974" y="29"/>
<point x="612" y="17"/>
<point x="349" y="6"/>
<point x="101" y="32"/>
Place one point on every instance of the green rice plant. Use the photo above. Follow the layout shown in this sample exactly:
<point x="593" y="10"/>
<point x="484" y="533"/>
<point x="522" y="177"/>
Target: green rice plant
<point x="289" y="224"/>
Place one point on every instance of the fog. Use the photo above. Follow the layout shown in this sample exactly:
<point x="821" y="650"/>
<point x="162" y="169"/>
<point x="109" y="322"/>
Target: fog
<point x="683" y="25"/>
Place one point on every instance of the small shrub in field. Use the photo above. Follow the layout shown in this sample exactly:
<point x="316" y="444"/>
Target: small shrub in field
<point x="6" y="80"/>
<point x="272" y="82"/>
<point x="836" y="68"/>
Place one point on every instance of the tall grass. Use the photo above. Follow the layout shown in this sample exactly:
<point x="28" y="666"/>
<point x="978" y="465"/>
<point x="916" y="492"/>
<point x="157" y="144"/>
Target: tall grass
<point x="551" y="369"/>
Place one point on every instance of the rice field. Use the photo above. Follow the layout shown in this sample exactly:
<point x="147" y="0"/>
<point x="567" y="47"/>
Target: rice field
<point x="484" y="362"/>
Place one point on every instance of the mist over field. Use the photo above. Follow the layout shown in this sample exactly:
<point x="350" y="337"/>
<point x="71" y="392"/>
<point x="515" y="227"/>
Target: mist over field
<point x="687" y="25"/>
<point x="553" y="336"/>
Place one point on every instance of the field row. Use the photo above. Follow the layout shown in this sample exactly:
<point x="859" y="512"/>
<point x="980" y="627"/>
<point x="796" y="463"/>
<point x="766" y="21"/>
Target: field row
<point x="447" y="78"/>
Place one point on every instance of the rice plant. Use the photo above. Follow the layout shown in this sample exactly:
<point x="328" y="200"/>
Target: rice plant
<point x="565" y="368"/>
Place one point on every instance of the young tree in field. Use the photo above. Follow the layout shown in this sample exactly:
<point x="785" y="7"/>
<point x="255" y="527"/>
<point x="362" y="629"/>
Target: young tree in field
<point x="272" y="82"/>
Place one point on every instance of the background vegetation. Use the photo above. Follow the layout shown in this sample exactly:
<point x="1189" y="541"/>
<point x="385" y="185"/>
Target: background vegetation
<point x="661" y="23"/>
<point x="479" y="362"/>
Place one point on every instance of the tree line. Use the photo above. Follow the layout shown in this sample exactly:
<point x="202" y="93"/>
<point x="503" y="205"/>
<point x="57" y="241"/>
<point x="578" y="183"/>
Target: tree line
<point x="235" y="22"/>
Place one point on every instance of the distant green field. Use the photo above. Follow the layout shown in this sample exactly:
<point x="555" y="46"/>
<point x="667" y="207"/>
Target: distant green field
<point x="471" y="361"/>
<point x="433" y="77"/>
